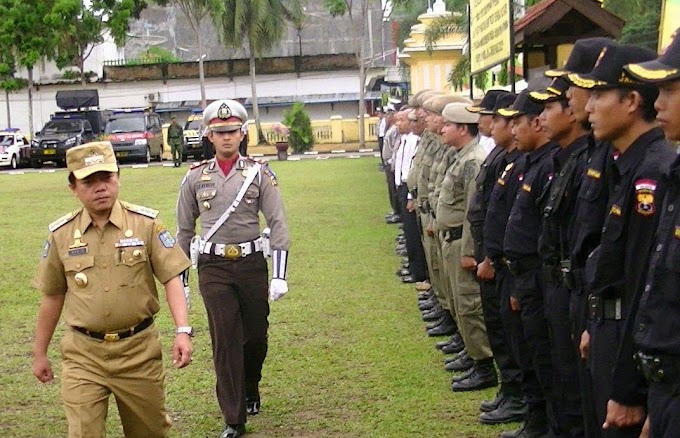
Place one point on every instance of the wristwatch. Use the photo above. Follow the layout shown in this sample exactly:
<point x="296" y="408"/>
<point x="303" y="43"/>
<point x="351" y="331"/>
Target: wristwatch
<point x="185" y="329"/>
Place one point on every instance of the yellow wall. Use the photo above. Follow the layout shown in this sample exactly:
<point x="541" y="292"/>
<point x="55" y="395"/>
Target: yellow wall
<point x="335" y="130"/>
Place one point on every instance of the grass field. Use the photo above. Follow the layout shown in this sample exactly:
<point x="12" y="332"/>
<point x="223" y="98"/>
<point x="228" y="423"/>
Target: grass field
<point x="348" y="354"/>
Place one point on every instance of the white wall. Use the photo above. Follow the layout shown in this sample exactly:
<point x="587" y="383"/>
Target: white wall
<point x="131" y="94"/>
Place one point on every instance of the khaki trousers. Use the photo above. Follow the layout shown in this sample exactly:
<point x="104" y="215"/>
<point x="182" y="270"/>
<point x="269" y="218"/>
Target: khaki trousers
<point x="130" y="369"/>
<point x="467" y="301"/>
<point x="430" y="244"/>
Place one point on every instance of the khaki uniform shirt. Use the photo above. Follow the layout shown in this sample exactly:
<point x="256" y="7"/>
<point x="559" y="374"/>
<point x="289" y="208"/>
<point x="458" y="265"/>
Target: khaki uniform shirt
<point x="457" y="190"/>
<point x="206" y="193"/>
<point x="434" y="147"/>
<point x="437" y="178"/>
<point x="108" y="274"/>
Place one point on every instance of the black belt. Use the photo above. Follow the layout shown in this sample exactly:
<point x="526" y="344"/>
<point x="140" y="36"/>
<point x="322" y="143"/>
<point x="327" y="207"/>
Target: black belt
<point x="117" y="336"/>
<point x="525" y="264"/>
<point x="600" y="308"/>
<point x="658" y="368"/>
<point x="453" y="234"/>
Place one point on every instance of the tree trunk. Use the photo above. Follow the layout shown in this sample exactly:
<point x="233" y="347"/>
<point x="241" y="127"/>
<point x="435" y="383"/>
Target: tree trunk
<point x="201" y="72"/>
<point x="81" y="66"/>
<point x="362" y="96"/>
<point x="253" y="87"/>
<point x="30" y="102"/>
<point x="9" y="116"/>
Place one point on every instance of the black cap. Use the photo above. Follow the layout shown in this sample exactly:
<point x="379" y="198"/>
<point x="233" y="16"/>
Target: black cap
<point x="504" y="102"/>
<point x="522" y="105"/>
<point x="557" y="90"/>
<point x="582" y="57"/>
<point x="608" y="70"/>
<point x="488" y="102"/>
<point x="665" y="68"/>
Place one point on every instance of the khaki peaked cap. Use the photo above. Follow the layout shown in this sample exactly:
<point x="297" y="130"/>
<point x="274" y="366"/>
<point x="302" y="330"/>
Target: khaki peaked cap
<point x="437" y="103"/>
<point x="457" y="113"/>
<point x="89" y="158"/>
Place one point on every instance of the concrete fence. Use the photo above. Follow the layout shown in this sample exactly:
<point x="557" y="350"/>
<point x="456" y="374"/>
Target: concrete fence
<point x="335" y="130"/>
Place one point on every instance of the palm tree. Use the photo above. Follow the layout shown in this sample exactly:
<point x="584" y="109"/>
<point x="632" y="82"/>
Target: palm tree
<point x="260" y="23"/>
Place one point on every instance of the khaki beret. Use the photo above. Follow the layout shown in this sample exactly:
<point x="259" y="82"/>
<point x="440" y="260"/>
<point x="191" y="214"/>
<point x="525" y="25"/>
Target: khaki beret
<point x="89" y="158"/>
<point x="224" y="116"/>
<point x="456" y="113"/>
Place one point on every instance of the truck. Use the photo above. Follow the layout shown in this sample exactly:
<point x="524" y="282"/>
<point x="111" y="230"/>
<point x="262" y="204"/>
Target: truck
<point x="80" y="122"/>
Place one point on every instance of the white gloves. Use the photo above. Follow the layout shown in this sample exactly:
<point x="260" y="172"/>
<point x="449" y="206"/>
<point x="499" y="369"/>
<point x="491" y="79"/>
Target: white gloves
<point x="277" y="288"/>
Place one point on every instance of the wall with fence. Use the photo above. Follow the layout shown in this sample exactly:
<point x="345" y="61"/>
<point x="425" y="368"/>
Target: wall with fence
<point x="334" y="130"/>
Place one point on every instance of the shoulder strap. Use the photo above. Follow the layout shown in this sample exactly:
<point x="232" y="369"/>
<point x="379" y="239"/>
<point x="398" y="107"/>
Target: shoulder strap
<point x="63" y="220"/>
<point x="249" y="179"/>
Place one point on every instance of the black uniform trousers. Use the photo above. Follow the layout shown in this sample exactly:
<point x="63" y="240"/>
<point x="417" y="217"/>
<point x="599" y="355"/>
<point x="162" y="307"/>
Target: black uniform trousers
<point x="564" y="359"/>
<point x="530" y="292"/>
<point x="499" y="338"/>
<point x="664" y="408"/>
<point x="381" y="142"/>
<point x="414" y="245"/>
<point x="512" y="323"/>
<point x="578" y="314"/>
<point x="605" y="338"/>
<point x="392" y="190"/>
<point x="235" y="294"/>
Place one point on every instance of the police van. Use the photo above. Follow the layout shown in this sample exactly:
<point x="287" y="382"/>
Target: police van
<point x="14" y="148"/>
<point x="136" y="134"/>
<point x="192" y="135"/>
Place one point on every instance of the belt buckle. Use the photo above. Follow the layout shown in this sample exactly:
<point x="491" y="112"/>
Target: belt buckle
<point x="111" y="337"/>
<point x="593" y="306"/>
<point x="232" y="252"/>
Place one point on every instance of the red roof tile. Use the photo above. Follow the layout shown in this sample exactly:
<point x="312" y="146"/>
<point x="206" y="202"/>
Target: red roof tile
<point x="532" y="13"/>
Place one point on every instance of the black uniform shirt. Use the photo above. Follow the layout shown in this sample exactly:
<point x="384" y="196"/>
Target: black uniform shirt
<point x="500" y="203"/>
<point x="526" y="215"/>
<point x="616" y="268"/>
<point x="591" y="203"/>
<point x="486" y="178"/>
<point x="566" y="168"/>
<point x="657" y="329"/>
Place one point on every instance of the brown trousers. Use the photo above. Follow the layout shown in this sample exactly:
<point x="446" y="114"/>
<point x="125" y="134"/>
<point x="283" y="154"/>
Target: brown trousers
<point x="235" y="294"/>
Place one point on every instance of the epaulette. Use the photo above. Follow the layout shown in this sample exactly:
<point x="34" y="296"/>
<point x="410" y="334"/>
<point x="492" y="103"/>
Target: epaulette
<point x="252" y="159"/>
<point x="68" y="217"/>
<point x="197" y="165"/>
<point x="144" y="211"/>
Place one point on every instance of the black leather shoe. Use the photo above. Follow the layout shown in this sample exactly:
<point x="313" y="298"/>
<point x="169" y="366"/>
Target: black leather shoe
<point x="234" y="431"/>
<point x="401" y="247"/>
<point x="403" y="272"/>
<point x="433" y="314"/>
<point x="463" y="376"/>
<point x="535" y="426"/>
<point x="442" y="330"/>
<point x="394" y="219"/>
<point x="441" y="344"/>
<point x="483" y="376"/>
<point x="252" y="406"/>
<point x="463" y="363"/>
<point x="455" y="346"/>
<point x="510" y="410"/>
<point x="402" y="253"/>
<point x="422" y="296"/>
<point x="492" y="405"/>
<point x="455" y="357"/>
<point x="437" y="322"/>
<point x="408" y="279"/>
<point x="428" y="303"/>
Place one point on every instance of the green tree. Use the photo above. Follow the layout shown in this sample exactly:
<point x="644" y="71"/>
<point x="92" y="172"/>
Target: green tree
<point x="81" y="26"/>
<point x="642" y="21"/>
<point x="300" y="133"/>
<point x="261" y="24"/>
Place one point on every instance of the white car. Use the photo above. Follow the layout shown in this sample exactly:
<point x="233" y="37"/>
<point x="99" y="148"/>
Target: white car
<point x="14" y="148"/>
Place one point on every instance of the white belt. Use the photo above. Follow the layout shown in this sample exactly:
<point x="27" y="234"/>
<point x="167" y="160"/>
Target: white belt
<point x="230" y="250"/>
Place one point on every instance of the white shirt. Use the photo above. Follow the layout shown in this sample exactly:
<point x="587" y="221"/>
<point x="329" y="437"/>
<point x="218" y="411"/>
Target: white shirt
<point x="407" y="150"/>
<point x="382" y="127"/>
<point x="487" y="143"/>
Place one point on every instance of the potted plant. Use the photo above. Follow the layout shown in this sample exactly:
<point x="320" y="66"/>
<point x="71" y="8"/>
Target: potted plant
<point x="280" y="136"/>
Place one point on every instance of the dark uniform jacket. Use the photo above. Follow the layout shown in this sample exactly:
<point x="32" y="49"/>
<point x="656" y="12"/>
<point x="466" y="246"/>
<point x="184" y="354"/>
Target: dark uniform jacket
<point x="524" y="223"/>
<point x="566" y="167"/>
<point x="616" y="268"/>
<point x="657" y="329"/>
<point x="500" y="202"/>
<point x="486" y="178"/>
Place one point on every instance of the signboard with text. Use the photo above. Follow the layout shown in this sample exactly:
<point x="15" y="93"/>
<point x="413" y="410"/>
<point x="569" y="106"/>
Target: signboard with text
<point x="489" y="33"/>
<point x="670" y="22"/>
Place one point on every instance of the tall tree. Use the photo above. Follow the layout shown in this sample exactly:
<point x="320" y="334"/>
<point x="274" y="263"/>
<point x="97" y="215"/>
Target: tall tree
<point x="261" y="24"/>
<point x="80" y="26"/>
<point x="196" y="11"/>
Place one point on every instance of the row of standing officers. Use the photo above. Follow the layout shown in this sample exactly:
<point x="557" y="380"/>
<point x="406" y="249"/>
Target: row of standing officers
<point x="554" y="254"/>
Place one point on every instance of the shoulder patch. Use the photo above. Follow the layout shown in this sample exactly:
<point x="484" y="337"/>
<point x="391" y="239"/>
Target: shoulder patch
<point x="63" y="220"/>
<point x="144" y="211"/>
<point x="270" y="173"/>
<point x="470" y="170"/>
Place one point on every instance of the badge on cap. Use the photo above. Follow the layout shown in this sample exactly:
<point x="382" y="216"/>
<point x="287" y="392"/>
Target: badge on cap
<point x="224" y="112"/>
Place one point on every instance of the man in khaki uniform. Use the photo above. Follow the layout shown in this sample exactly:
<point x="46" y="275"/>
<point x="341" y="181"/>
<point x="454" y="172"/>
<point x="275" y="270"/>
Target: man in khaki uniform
<point x="458" y="188"/>
<point x="98" y="267"/>
<point x="232" y="270"/>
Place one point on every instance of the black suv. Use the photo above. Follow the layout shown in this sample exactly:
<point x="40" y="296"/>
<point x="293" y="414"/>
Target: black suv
<point x="58" y="135"/>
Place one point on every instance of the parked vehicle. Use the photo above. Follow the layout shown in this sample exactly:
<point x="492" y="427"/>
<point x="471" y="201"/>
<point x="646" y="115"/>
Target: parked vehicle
<point x="193" y="147"/>
<point x="61" y="133"/>
<point x="14" y="148"/>
<point x="135" y="134"/>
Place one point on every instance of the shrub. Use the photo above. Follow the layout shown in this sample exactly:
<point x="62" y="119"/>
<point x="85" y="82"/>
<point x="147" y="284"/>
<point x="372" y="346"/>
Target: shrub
<point x="300" y="134"/>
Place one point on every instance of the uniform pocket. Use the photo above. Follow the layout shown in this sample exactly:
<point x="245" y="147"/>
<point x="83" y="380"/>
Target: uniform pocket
<point x="132" y="263"/>
<point x="252" y="195"/>
<point x="77" y="271"/>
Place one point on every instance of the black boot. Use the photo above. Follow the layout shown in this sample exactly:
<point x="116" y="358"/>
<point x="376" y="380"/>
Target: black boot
<point x="446" y="328"/>
<point x="434" y="314"/>
<point x="463" y="363"/>
<point x="511" y="408"/>
<point x="492" y="405"/>
<point x="534" y="426"/>
<point x="483" y="376"/>
<point x="455" y="346"/>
